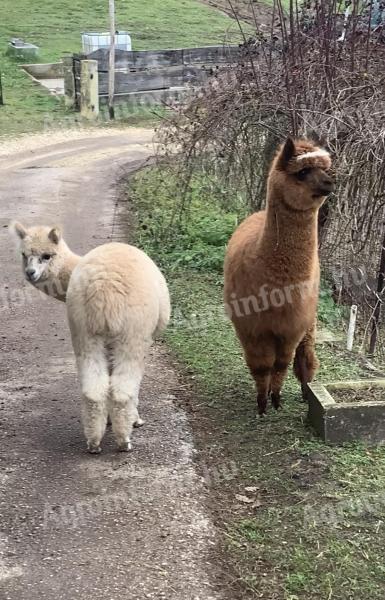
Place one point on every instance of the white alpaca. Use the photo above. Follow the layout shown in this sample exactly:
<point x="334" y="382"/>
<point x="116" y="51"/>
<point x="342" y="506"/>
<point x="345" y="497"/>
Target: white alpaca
<point x="117" y="301"/>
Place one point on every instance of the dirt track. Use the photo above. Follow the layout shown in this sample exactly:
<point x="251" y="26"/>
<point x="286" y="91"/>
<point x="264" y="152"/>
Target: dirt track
<point x="75" y="526"/>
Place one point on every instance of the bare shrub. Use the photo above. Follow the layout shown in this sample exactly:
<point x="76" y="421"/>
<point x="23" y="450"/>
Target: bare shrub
<point x="317" y="73"/>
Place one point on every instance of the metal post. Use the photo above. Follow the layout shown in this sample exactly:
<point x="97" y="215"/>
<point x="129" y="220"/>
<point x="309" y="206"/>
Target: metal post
<point x="111" y="68"/>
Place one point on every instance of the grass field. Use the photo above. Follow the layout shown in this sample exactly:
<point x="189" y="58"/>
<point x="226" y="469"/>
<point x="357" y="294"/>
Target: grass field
<point x="300" y="520"/>
<point x="56" y="28"/>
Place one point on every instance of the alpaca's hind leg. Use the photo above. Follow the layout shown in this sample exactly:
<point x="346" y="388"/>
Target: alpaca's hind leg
<point x="94" y="381"/>
<point x="139" y="422"/>
<point x="125" y="382"/>
<point x="281" y="365"/>
<point x="260" y="359"/>
<point x="305" y="361"/>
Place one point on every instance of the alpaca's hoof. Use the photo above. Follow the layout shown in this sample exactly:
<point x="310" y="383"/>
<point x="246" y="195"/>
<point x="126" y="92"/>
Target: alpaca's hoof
<point x="262" y="405"/>
<point x="93" y="449"/>
<point x="262" y="415"/>
<point x="305" y="392"/>
<point x="139" y="422"/>
<point x="125" y="447"/>
<point x="276" y="401"/>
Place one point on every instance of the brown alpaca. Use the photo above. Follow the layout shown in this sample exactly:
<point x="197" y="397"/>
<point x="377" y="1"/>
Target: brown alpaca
<point x="272" y="271"/>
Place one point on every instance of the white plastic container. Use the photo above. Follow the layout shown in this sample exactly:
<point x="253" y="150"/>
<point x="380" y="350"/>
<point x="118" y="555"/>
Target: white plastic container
<point x="93" y="41"/>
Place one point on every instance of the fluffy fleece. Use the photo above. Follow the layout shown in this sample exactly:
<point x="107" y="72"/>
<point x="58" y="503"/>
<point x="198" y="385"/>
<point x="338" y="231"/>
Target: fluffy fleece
<point x="272" y="271"/>
<point x="117" y="301"/>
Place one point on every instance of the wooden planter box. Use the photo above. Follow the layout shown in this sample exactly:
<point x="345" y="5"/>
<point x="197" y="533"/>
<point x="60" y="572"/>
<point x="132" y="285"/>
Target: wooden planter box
<point x="339" y="422"/>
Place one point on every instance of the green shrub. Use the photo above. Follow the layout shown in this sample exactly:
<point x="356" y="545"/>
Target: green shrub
<point x="188" y="231"/>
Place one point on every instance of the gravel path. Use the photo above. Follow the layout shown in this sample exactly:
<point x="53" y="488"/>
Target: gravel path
<point x="75" y="526"/>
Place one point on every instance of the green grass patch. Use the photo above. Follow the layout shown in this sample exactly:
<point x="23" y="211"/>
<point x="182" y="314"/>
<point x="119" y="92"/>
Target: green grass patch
<point x="56" y="28"/>
<point x="300" y="520"/>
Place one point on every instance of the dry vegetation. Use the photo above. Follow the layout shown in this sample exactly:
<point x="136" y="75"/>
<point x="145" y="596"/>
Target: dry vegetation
<point x="301" y="78"/>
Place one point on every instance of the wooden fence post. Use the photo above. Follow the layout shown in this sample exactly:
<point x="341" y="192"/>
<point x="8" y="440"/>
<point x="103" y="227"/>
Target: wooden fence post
<point x="89" y="89"/>
<point x="69" y="81"/>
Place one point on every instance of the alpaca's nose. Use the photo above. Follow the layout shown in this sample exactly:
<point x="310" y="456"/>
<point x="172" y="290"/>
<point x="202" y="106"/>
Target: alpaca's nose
<point x="30" y="273"/>
<point x="326" y="185"/>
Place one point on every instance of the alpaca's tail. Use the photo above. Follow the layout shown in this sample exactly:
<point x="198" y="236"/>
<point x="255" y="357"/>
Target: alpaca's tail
<point x="305" y="360"/>
<point x="164" y="306"/>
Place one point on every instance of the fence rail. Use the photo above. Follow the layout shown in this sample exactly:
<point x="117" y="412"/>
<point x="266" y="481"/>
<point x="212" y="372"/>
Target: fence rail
<point x="154" y="79"/>
<point x="142" y="74"/>
<point x="153" y="59"/>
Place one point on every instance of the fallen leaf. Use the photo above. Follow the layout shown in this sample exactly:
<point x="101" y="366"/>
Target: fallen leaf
<point x="244" y="499"/>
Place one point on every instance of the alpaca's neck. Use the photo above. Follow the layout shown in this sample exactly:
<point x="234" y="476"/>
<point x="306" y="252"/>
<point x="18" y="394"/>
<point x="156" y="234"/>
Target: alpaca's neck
<point x="291" y="237"/>
<point x="57" y="285"/>
<point x="71" y="260"/>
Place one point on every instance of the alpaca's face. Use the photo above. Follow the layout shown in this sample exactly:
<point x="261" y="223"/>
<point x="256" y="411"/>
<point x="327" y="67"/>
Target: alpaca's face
<point x="301" y="176"/>
<point x="40" y="251"/>
<point x="307" y="188"/>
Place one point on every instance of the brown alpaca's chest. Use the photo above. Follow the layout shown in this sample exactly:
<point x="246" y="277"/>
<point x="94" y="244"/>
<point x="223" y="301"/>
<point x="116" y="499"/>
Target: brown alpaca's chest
<point x="264" y="300"/>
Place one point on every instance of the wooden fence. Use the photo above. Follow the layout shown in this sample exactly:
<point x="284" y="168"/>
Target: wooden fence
<point x="142" y="77"/>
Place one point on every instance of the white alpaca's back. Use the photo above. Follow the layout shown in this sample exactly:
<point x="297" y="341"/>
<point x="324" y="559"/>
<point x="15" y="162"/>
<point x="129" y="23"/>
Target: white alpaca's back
<point x="117" y="301"/>
<point x="117" y="291"/>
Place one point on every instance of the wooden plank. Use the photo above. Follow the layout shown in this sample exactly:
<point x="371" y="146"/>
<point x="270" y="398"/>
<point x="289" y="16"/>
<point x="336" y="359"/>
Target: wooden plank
<point x="150" y="59"/>
<point x="132" y="102"/>
<point x="138" y="59"/>
<point x="132" y="82"/>
<point x="195" y="76"/>
<point x="211" y="55"/>
<point x="154" y="80"/>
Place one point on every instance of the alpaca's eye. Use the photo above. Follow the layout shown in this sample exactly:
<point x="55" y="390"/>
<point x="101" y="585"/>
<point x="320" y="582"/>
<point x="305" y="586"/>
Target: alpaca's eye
<point x="46" y="257"/>
<point x="301" y="175"/>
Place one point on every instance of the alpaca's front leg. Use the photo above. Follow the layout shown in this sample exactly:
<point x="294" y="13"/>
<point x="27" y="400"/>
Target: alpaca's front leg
<point x="277" y="378"/>
<point x="260" y="360"/>
<point x="283" y="359"/>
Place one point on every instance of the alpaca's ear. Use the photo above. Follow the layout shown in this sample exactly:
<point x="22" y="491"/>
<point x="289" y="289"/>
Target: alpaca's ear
<point x="55" y="235"/>
<point x="18" y="230"/>
<point x="286" y="154"/>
